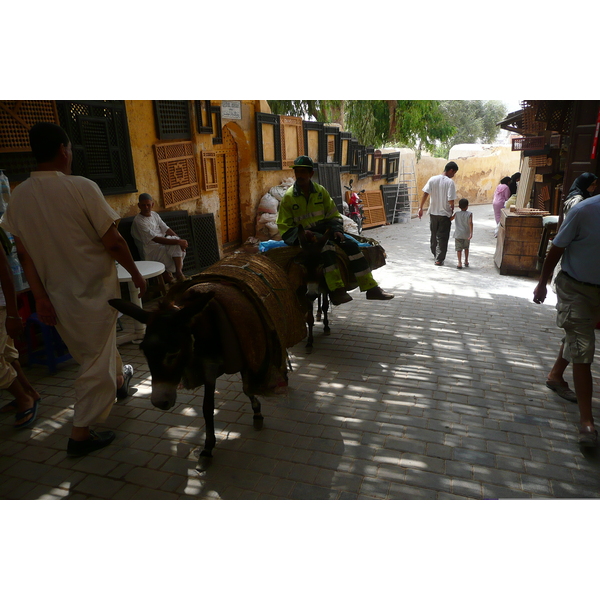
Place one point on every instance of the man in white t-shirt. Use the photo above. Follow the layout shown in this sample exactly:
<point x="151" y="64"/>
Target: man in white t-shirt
<point x="159" y="242"/>
<point x="442" y="191"/>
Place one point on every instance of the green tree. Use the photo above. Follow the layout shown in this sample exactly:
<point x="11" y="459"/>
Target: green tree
<point x="326" y="111"/>
<point x="417" y="124"/>
<point x="474" y="120"/>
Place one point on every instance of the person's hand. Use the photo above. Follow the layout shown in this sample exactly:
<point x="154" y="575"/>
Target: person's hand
<point x="539" y="294"/>
<point x="14" y="326"/>
<point x="45" y="311"/>
<point x="310" y="236"/>
<point x="420" y="213"/>
<point x="139" y="283"/>
<point x="183" y="244"/>
<point x="338" y="235"/>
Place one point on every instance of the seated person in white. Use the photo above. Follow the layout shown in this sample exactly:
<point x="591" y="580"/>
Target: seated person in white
<point x="158" y="242"/>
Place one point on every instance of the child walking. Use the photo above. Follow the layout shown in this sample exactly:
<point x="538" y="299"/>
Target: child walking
<point x="463" y="231"/>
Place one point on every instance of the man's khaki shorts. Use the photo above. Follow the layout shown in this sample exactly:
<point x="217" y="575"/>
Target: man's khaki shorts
<point x="461" y="244"/>
<point x="578" y="313"/>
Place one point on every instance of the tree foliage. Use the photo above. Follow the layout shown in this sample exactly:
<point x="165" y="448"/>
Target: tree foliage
<point x="475" y="122"/>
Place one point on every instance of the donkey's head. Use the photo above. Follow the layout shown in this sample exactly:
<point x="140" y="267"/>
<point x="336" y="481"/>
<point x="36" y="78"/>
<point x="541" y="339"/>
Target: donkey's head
<point x="167" y="343"/>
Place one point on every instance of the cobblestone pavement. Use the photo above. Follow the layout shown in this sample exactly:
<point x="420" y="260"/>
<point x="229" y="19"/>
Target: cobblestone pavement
<point x="438" y="394"/>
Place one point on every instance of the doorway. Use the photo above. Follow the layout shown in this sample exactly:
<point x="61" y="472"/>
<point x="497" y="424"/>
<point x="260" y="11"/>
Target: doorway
<point x="228" y="186"/>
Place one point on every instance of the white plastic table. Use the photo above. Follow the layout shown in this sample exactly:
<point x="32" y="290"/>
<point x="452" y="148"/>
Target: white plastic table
<point x="148" y="269"/>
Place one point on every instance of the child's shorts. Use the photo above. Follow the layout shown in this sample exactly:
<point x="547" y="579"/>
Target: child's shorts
<point x="461" y="244"/>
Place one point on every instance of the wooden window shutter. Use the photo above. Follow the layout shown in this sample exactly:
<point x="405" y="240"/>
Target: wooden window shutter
<point x="177" y="172"/>
<point x="369" y="160"/>
<point x="334" y="144"/>
<point x="377" y="165"/>
<point x="315" y="144"/>
<point x="172" y="119"/>
<point x="345" y="151"/>
<point x="393" y="166"/>
<point x="292" y="139"/>
<point x="268" y="142"/>
<point x="373" y="208"/>
<point x="99" y="136"/>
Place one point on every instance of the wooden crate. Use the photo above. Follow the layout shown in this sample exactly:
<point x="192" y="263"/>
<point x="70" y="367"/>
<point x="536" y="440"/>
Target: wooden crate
<point x="518" y="243"/>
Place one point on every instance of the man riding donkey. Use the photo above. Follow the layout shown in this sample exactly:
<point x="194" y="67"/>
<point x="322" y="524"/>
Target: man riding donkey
<point x="309" y="204"/>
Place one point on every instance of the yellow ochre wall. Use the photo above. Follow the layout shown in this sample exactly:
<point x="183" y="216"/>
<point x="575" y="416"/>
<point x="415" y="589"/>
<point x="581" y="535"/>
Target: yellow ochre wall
<point x="477" y="177"/>
<point x="253" y="184"/>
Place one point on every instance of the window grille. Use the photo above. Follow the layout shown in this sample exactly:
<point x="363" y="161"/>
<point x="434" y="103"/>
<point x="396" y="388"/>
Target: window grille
<point x="16" y="119"/>
<point x="172" y="119"/>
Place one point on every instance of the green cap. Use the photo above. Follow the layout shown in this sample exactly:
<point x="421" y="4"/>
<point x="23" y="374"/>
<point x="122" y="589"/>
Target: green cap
<point x="305" y="162"/>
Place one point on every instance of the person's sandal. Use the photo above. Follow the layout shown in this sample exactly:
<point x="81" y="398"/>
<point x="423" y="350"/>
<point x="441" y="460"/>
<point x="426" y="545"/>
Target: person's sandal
<point x="588" y="436"/>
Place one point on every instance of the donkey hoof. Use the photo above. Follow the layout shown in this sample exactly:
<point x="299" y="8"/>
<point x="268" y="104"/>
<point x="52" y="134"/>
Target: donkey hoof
<point x="203" y="463"/>
<point x="327" y="331"/>
<point x="257" y="421"/>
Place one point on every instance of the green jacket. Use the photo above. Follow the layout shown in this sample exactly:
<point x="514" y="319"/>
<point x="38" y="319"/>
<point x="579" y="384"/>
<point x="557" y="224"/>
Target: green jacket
<point x="318" y="214"/>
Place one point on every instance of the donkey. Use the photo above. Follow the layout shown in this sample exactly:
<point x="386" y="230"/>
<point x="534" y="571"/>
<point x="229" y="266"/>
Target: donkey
<point x="217" y="330"/>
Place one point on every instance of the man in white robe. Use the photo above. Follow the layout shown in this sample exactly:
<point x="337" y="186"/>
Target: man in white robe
<point x="67" y="243"/>
<point x="158" y="241"/>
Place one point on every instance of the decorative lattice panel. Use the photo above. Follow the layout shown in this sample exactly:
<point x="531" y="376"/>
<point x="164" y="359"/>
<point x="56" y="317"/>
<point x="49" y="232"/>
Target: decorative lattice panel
<point x="16" y="119"/>
<point x="204" y="235"/>
<point x="556" y="114"/>
<point x="373" y="208"/>
<point x="177" y="172"/>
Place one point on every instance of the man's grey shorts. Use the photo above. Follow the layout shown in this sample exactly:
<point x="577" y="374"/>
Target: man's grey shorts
<point x="578" y="313"/>
<point x="461" y="244"/>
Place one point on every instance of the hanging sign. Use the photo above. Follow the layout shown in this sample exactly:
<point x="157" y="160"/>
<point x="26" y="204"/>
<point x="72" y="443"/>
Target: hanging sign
<point x="231" y="109"/>
<point x="595" y="143"/>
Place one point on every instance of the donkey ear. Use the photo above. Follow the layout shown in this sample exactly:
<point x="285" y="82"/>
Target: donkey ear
<point x="187" y="313"/>
<point x="131" y="310"/>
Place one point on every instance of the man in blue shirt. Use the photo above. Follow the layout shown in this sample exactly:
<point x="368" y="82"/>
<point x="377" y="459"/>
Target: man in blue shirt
<point x="578" y="307"/>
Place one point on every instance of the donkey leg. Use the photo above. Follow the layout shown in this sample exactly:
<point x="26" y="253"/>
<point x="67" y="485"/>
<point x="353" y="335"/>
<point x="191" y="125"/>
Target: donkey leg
<point x="326" y="330"/>
<point x="257" y="418"/>
<point x="310" y="321"/>
<point x="319" y="309"/>
<point x="208" y="410"/>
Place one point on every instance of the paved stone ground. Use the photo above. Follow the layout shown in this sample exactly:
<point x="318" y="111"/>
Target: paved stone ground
<point x="438" y="394"/>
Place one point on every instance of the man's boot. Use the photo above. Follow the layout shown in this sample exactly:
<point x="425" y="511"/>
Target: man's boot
<point x="339" y="296"/>
<point x="377" y="293"/>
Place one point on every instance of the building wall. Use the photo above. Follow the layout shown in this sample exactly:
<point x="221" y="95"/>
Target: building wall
<point x="477" y="176"/>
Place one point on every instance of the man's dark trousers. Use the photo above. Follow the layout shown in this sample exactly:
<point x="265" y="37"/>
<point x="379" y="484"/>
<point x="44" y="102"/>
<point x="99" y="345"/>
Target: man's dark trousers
<point x="440" y="232"/>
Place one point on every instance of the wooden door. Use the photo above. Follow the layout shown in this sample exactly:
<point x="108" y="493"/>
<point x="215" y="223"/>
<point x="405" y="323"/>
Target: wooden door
<point x="228" y="186"/>
<point x="583" y="131"/>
